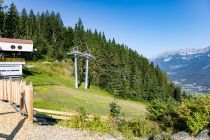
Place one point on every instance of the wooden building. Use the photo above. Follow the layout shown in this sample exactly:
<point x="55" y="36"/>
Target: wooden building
<point x="10" y="61"/>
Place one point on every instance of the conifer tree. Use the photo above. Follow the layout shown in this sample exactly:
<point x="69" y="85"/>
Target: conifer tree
<point x="68" y="37"/>
<point x="31" y="23"/>
<point x="12" y="22"/>
<point x="23" y="29"/>
<point x="1" y="19"/>
<point x="80" y="42"/>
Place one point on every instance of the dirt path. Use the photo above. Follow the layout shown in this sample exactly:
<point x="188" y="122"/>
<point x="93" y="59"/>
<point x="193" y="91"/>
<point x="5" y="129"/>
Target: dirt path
<point x="14" y="126"/>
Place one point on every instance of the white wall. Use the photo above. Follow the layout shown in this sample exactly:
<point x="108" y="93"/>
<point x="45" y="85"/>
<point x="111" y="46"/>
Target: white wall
<point x="7" y="47"/>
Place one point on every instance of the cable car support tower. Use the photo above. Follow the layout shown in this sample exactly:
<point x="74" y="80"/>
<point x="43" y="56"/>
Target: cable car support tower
<point x="75" y="53"/>
<point x="87" y="55"/>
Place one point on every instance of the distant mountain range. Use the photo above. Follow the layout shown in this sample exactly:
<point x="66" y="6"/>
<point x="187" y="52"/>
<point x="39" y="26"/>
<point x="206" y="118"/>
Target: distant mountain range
<point x="189" y="68"/>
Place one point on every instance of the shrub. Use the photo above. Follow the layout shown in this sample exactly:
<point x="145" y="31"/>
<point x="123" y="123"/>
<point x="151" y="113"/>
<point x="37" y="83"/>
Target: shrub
<point x="82" y="121"/>
<point x="139" y="128"/>
<point x="144" y="127"/>
<point x="115" y="114"/>
<point x="114" y="109"/>
<point x="97" y="125"/>
<point x="125" y="129"/>
<point x="194" y="112"/>
<point x="163" y="112"/>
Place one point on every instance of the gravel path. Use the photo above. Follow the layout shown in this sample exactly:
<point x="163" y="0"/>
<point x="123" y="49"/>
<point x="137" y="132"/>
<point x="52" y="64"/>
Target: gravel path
<point x="14" y="126"/>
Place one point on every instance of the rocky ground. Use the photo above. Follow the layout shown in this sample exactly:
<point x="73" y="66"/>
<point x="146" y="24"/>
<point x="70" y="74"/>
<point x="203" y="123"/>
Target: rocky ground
<point x="182" y="135"/>
<point x="14" y="126"/>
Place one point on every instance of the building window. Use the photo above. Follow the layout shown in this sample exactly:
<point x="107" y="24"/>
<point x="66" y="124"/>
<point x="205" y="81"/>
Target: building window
<point x="19" y="47"/>
<point x="13" y="47"/>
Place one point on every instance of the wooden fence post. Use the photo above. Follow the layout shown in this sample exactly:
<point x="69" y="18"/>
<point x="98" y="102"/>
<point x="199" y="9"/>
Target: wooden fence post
<point x="13" y="90"/>
<point x="22" y="98"/>
<point x="18" y="93"/>
<point x="9" y="90"/>
<point x="30" y="103"/>
<point x="1" y="90"/>
<point x="4" y="90"/>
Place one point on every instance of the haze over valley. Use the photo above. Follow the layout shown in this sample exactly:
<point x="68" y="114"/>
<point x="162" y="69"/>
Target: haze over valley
<point x="188" y="68"/>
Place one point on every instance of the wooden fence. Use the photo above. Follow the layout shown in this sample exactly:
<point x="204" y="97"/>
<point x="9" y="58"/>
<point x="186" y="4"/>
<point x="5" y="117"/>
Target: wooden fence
<point x="19" y="93"/>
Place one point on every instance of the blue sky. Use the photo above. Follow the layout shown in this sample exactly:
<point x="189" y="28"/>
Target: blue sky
<point x="148" y="26"/>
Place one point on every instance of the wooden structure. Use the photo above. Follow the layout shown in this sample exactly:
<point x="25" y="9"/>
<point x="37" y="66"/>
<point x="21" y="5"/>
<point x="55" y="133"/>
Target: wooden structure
<point x="19" y="93"/>
<point x="11" y="51"/>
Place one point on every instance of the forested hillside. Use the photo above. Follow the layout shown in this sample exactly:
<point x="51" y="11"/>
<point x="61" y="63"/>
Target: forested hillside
<point x="117" y="68"/>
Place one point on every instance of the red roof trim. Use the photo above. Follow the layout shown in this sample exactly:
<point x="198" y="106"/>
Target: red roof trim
<point x="20" y="41"/>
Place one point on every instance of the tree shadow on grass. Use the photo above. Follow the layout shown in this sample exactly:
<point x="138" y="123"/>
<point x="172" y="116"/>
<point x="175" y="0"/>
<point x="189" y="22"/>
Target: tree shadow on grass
<point x="27" y="72"/>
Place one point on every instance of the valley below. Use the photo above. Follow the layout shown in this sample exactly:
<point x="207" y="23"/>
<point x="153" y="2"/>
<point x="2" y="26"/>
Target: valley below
<point x="192" y="87"/>
<point x="187" y="68"/>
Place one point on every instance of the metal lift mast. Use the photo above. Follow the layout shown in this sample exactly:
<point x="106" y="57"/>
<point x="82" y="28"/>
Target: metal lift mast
<point x="75" y="52"/>
<point x="87" y="55"/>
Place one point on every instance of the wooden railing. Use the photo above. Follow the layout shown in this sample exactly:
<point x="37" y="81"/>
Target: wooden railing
<point x="12" y="60"/>
<point x="19" y="93"/>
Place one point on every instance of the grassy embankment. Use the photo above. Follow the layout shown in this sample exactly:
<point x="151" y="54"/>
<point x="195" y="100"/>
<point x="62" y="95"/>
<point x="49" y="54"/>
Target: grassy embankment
<point x="54" y="89"/>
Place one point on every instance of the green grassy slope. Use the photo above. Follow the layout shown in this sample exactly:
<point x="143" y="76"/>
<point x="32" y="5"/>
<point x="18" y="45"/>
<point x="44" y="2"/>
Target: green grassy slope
<point x="54" y="89"/>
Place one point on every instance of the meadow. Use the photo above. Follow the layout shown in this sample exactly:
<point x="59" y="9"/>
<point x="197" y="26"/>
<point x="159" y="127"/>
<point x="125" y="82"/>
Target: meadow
<point x="54" y="89"/>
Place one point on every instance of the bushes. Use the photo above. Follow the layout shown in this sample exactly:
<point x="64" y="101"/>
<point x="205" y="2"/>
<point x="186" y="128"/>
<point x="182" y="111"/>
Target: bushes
<point x="143" y="127"/>
<point x="191" y="114"/>
<point x="125" y="129"/>
<point x="115" y="114"/>
<point x="194" y="112"/>
<point x="138" y="128"/>
<point x="163" y="112"/>
<point x="82" y="121"/>
<point x="96" y="124"/>
<point x="115" y="123"/>
<point x="114" y="110"/>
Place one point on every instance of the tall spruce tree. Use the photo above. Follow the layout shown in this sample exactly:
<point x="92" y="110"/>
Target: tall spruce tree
<point x="23" y="30"/>
<point x="68" y="37"/>
<point x="31" y="24"/>
<point x="12" y="22"/>
<point x="1" y="19"/>
<point x="80" y="42"/>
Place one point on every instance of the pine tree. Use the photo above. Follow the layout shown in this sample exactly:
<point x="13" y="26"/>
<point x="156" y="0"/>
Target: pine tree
<point x="38" y="24"/>
<point x="57" y="35"/>
<point x="80" y="43"/>
<point x="23" y="25"/>
<point x="12" y="22"/>
<point x="1" y="19"/>
<point x="177" y="93"/>
<point x="31" y="24"/>
<point x="68" y="37"/>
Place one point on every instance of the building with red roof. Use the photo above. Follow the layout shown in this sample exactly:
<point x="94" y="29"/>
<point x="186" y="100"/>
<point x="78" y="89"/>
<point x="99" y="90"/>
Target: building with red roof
<point x="10" y="61"/>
